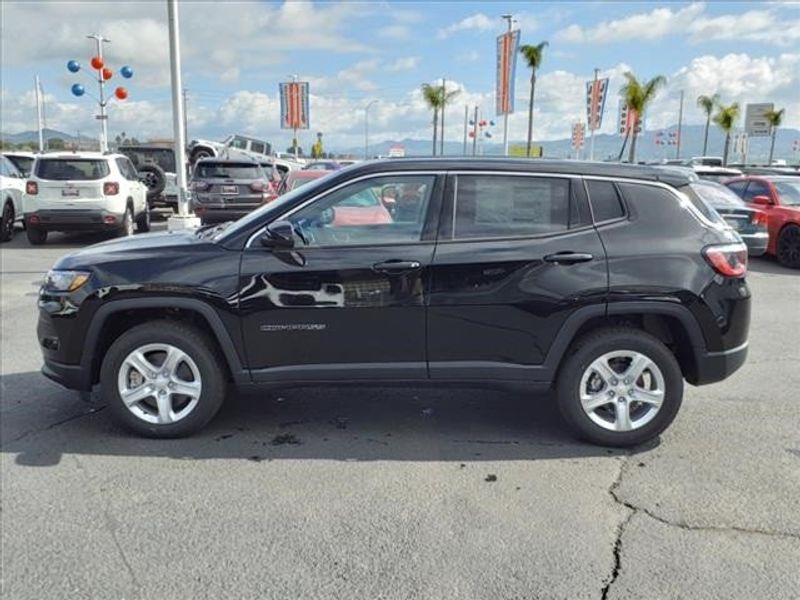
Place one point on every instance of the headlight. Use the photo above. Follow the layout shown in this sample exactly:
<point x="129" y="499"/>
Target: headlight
<point x="65" y="281"/>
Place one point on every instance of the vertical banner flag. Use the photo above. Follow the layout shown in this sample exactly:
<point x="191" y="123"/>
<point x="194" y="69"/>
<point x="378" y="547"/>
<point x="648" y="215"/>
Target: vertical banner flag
<point x="626" y="120"/>
<point x="578" y="135"/>
<point x="294" y="105"/>
<point x="507" y="45"/>
<point x="596" y="102"/>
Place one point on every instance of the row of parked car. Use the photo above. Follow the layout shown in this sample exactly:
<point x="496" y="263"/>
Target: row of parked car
<point x="115" y="192"/>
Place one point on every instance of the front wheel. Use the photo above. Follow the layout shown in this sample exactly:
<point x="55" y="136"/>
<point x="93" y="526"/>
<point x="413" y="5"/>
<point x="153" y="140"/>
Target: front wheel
<point x="163" y="379"/>
<point x="620" y="387"/>
<point x="7" y="223"/>
<point x="789" y="246"/>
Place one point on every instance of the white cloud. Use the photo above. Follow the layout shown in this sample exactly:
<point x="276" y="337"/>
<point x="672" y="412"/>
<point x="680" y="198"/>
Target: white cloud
<point x="394" y="32"/>
<point x="478" y="21"/>
<point x="643" y="26"/>
<point x="406" y="63"/>
<point x="752" y="26"/>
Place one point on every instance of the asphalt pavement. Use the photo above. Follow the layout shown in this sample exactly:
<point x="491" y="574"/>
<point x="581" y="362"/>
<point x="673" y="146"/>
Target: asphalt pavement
<point x="367" y="492"/>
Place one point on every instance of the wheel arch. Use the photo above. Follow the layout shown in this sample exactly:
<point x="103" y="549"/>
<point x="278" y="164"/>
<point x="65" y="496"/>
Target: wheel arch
<point x="117" y="316"/>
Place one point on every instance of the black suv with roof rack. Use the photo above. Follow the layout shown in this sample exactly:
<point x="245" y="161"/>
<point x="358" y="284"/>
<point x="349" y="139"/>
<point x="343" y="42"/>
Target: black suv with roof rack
<point x="612" y="283"/>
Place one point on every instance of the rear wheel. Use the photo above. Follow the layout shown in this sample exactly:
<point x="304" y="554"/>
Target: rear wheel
<point x="163" y="379"/>
<point x="36" y="236"/>
<point x="7" y="223"/>
<point x="143" y="221"/>
<point x="789" y="246"/>
<point x="620" y="387"/>
<point x="127" y="223"/>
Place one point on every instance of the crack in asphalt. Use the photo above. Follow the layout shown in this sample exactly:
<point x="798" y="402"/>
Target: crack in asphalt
<point x="620" y="531"/>
<point x="57" y="423"/>
<point x="111" y="526"/>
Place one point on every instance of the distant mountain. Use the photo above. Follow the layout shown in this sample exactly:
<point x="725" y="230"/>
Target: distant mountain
<point x="608" y="146"/>
<point x="26" y="137"/>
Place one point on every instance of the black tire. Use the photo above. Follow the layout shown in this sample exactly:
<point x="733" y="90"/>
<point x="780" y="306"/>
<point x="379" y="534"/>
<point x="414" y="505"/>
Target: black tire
<point x="591" y="347"/>
<point x="186" y="338"/>
<point x="36" y="236"/>
<point x="201" y="153"/>
<point x="154" y="178"/>
<point x="788" y="246"/>
<point x="7" y="222"/>
<point x="127" y="223"/>
<point x="143" y="221"/>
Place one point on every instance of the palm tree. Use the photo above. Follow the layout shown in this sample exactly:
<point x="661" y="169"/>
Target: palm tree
<point x="774" y="118"/>
<point x="707" y="103"/>
<point x="432" y="94"/>
<point x="726" y="118"/>
<point x="637" y="96"/>
<point x="533" y="56"/>
<point x="446" y="98"/>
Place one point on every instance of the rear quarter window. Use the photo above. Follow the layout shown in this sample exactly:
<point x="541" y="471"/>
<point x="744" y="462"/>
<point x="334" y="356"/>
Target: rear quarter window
<point x="75" y="169"/>
<point x="605" y="200"/>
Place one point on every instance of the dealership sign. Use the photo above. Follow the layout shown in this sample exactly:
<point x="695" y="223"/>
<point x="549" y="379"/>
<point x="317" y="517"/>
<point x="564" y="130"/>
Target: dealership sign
<point x="755" y="120"/>
<point x="507" y="45"/>
<point x="596" y="102"/>
<point x="294" y="105"/>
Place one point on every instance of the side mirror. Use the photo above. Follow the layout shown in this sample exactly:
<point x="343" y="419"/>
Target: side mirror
<point x="762" y="200"/>
<point x="279" y="236"/>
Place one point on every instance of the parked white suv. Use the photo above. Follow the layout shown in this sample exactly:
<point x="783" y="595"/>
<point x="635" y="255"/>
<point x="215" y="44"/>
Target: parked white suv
<point x="84" y="191"/>
<point x="12" y="185"/>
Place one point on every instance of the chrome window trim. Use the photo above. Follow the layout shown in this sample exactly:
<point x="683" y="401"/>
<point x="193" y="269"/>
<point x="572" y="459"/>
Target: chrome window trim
<point x="316" y="197"/>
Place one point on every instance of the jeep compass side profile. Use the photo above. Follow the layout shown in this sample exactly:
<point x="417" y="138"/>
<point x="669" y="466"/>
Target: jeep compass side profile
<point x="612" y="283"/>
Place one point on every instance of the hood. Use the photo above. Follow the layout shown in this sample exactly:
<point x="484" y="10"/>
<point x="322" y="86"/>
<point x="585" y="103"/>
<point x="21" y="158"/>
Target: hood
<point x="140" y="246"/>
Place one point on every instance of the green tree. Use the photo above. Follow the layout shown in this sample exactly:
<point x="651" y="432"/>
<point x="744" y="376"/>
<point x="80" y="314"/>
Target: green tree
<point x="726" y="118"/>
<point x="707" y="103"/>
<point x="637" y="96"/>
<point x="774" y="118"/>
<point x="55" y="144"/>
<point x="446" y="98"/>
<point x="533" y="57"/>
<point x="434" y="98"/>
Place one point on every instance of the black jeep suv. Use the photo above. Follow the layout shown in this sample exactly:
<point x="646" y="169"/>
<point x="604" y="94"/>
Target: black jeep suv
<point x="613" y="283"/>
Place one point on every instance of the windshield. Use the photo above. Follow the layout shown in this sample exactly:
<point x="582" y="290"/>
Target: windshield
<point x="23" y="163"/>
<point x="789" y="192"/>
<point x="276" y="207"/>
<point x="717" y="195"/>
<point x="76" y="169"/>
<point x="228" y="170"/>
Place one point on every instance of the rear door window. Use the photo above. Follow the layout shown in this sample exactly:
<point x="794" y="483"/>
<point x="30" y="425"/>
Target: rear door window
<point x="75" y="169"/>
<point x="605" y="200"/>
<point x="496" y="206"/>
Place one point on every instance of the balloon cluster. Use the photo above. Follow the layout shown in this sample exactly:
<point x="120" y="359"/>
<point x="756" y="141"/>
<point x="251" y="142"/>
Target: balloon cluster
<point x="104" y="73"/>
<point x="482" y="129"/>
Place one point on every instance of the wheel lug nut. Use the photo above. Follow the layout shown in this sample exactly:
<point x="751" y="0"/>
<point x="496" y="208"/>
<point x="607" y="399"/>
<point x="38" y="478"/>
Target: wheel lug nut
<point x="611" y="393"/>
<point x="614" y="382"/>
<point x="621" y="399"/>
<point x="628" y="381"/>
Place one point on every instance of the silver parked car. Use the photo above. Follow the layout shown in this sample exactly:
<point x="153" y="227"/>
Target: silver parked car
<point x="224" y="190"/>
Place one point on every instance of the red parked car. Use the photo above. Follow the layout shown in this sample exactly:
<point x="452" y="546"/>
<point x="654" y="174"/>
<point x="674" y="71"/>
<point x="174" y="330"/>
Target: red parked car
<point x="779" y="197"/>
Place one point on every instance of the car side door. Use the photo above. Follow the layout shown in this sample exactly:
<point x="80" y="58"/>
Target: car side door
<point x="347" y="299"/>
<point x="517" y="256"/>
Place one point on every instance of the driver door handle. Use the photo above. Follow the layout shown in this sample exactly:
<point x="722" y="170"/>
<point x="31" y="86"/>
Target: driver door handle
<point x="568" y="258"/>
<point x="396" y="266"/>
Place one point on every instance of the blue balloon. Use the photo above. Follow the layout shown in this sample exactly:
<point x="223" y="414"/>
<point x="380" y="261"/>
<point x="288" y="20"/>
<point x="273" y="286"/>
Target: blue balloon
<point x="126" y="72"/>
<point x="488" y="134"/>
<point x="491" y="123"/>
<point x="73" y="66"/>
<point x="77" y="90"/>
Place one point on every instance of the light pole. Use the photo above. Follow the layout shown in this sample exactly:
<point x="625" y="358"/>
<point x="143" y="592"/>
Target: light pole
<point x="182" y="220"/>
<point x="100" y="40"/>
<point x="366" y="128"/>
<point x="510" y="20"/>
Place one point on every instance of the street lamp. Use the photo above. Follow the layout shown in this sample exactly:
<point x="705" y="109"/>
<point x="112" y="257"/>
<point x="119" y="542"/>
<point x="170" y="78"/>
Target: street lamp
<point x="366" y="128"/>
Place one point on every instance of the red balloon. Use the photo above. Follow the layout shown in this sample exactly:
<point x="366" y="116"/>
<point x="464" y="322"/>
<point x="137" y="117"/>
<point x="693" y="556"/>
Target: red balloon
<point x="121" y="93"/>
<point x="97" y="62"/>
<point x="107" y="74"/>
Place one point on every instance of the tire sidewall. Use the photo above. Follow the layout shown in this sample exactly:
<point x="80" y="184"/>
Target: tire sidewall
<point x="190" y="341"/>
<point x="127" y="223"/>
<point x="36" y="236"/>
<point x="143" y="222"/>
<point x="7" y="223"/>
<point x="786" y="263"/>
<point x="614" y="340"/>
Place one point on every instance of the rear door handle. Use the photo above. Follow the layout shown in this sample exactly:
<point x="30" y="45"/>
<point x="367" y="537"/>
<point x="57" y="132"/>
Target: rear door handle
<point x="568" y="258"/>
<point x="396" y="266"/>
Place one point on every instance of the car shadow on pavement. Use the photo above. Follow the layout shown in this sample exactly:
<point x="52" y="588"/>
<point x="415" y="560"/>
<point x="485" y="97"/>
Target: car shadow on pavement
<point x="346" y="423"/>
<point x="769" y="264"/>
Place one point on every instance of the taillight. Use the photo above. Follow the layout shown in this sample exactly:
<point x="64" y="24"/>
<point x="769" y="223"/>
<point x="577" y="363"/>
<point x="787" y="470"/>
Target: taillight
<point x="31" y="188"/>
<point x="759" y="218"/>
<point x="729" y="260"/>
<point x="110" y="188"/>
<point x="199" y="186"/>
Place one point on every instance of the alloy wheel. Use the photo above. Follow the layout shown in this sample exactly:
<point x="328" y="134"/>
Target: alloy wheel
<point x="622" y="390"/>
<point x="159" y="383"/>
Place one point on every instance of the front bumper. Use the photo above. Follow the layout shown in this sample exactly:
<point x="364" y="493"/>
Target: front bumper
<point x="74" y="220"/>
<point x="72" y="377"/>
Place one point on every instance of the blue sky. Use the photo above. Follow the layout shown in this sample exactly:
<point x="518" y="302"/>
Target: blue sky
<point x="235" y="53"/>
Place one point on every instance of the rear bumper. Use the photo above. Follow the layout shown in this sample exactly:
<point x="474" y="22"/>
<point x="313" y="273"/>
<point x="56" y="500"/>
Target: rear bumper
<point x="213" y="214"/>
<point x="756" y="243"/>
<point x="716" y="366"/>
<point x="74" y="220"/>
